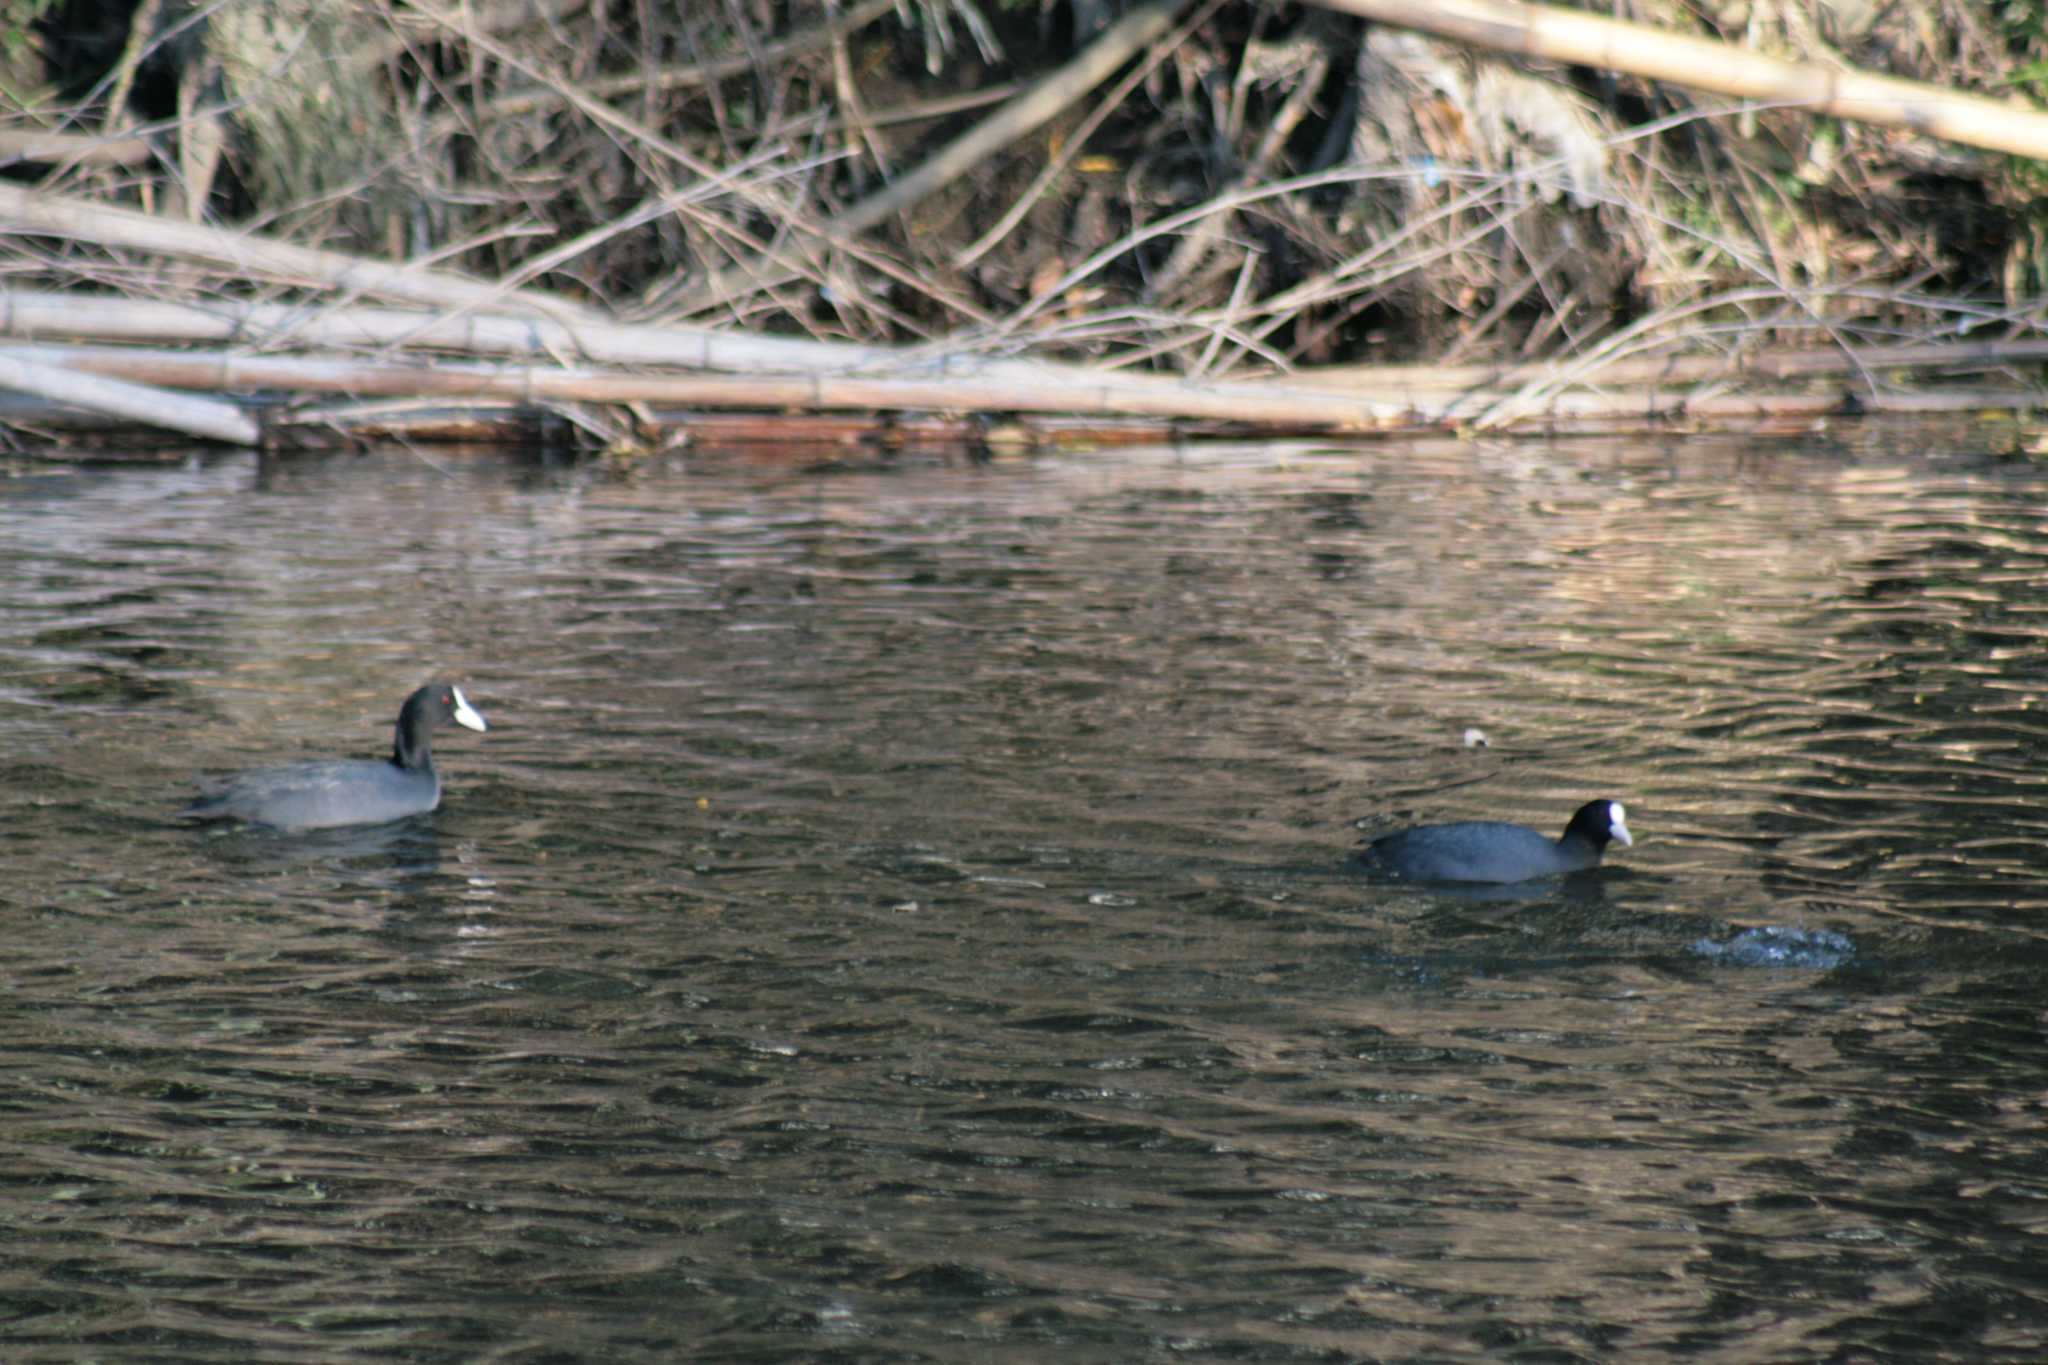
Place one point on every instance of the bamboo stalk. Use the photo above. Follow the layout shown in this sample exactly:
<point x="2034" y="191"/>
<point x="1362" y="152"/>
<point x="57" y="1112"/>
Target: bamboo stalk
<point x="1588" y="40"/>
<point x="1075" y="392"/>
<point x="202" y="417"/>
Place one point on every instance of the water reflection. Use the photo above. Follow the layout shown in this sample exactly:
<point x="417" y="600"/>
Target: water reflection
<point x="905" y="909"/>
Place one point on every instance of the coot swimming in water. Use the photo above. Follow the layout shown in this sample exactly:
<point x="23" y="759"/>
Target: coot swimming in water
<point x="1495" y="851"/>
<point x="348" y="791"/>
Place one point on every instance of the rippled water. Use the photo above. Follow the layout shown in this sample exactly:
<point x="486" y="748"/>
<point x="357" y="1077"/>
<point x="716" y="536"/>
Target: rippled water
<point x="901" y="910"/>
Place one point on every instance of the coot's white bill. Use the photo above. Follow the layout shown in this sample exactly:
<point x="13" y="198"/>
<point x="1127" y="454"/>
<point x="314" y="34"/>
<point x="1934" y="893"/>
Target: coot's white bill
<point x="466" y="716"/>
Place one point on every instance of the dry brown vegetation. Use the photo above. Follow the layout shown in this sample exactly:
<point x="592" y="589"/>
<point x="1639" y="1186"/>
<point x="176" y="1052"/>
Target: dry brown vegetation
<point x="1230" y="190"/>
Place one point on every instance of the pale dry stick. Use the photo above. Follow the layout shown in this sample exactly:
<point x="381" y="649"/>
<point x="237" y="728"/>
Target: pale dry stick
<point x="718" y="227"/>
<point x="849" y="94"/>
<point x="87" y="149"/>
<point x="1556" y="319"/>
<point x="1583" y="39"/>
<point x="1979" y="315"/>
<point x="1040" y="102"/>
<point x="1734" y="251"/>
<point x="1742" y="197"/>
<point x="25" y="313"/>
<point x="1200" y="368"/>
<point x="146" y="404"/>
<point x="1057" y="164"/>
<point x="645" y="212"/>
<point x="425" y="259"/>
<point x="1192" y="330"/>
<point x="1318" y="289"/>
<point x="816" y="263"/>
<point x="141" y="28"/>
<point x="1229" y="113"/>
<point x="73" y="149"/>
<point x="622" y="127"/>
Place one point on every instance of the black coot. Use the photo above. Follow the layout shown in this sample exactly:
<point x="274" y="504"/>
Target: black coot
<point x="348" y="791"/>
<point x="1495" y="851"/>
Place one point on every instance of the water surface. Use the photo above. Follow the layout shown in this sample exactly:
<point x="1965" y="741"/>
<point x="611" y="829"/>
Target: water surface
<point x="902" y="908"/>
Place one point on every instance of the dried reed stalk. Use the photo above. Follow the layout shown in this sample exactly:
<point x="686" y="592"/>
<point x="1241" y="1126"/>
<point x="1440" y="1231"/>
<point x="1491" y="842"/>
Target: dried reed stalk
<point x="1613" y="45"/>
<point x="1131" y="396"/>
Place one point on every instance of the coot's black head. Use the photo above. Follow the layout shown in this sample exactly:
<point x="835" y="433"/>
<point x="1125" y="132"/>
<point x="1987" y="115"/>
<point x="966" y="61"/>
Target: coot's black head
<point x="426" y="711"/>
<point x="1599" y="823"/>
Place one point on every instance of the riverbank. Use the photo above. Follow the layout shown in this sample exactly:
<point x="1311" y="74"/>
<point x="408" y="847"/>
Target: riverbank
<point x="1200" y="219"/>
